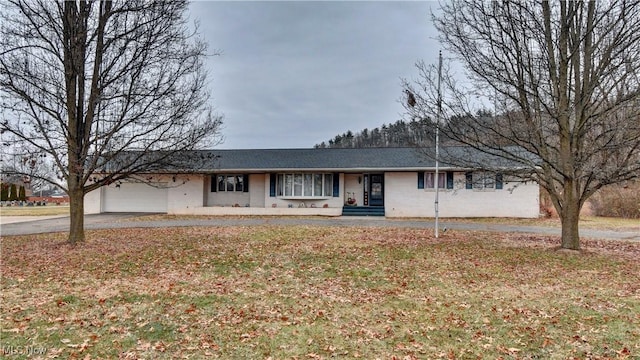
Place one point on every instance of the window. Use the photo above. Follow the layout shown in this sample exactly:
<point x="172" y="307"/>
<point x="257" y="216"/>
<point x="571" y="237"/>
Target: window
<point x="308" y="185"/>
<point x="228" y="183"/>
<point x="317" y="183"/>
<point x="297" y="184"/>
<point x="484" y="180"/>
<point x="305" y="185"/>
<point x="426" y="180"/>
<point x="430" y="177"/>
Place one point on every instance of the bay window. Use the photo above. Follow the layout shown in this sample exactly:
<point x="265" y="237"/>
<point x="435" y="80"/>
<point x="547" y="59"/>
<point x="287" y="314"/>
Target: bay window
<point x="304" y="185"/>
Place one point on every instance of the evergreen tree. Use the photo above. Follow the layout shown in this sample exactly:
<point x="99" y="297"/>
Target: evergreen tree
<point x="22" y="194"/>
<point x="13" y="193"/>
<point x="4" y="192"/>
<point x="401" y="133"/>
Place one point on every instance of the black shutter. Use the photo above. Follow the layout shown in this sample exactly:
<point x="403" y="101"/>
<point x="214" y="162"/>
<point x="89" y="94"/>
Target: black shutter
<point x="449" y="179"/>
<point x="420" y="179"/>
<point x="469" y="178"/>
<point x="272" y="185"/>
<point x="245" y="182"/>
<point x="214" y="183"/>
<point x="498" y="181"/>
<point x="336" y="184"/>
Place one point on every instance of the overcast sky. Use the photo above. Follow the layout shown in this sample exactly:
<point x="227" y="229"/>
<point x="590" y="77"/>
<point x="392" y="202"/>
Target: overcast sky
<point x="294" y="74"/>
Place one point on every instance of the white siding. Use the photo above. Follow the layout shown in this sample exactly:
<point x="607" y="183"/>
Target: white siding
<point x="257" y="189"/>
<point x="185" y="192"/>
<point x="404" y="199"/>
<point x="92" y="202"/>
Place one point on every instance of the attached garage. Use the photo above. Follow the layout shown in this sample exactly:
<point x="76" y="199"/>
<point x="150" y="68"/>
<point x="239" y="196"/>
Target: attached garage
<point x="134" y="197"/>
<point x="396" y="182"/>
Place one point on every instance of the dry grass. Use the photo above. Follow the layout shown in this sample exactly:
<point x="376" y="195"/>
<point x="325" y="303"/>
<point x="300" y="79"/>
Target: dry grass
<point x="317" y="293"/>
<point x="34" y="210"/>
<point x="586" y="222"/>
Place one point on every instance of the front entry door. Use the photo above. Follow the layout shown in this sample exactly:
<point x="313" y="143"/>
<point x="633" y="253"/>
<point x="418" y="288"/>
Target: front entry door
<point x="376" y="190"/>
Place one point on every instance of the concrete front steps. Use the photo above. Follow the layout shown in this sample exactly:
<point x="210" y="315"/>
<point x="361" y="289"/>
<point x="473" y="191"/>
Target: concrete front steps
<point x="363" y="211"/>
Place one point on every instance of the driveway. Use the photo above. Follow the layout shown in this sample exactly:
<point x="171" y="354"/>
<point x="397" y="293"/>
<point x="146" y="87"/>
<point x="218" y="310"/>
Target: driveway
<point x="26" y="225"/>
<point x="31" y="225"/>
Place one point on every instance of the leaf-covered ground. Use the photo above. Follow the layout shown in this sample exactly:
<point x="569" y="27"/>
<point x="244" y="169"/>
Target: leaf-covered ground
<point x="294" y="292"/>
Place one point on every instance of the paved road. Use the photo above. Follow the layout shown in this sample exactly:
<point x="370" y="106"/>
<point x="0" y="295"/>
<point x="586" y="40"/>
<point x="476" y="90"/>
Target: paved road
<point x="118" y="221"/>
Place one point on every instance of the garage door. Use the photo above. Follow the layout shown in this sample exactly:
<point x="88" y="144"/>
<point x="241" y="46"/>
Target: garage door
<point x="133" y="197"/>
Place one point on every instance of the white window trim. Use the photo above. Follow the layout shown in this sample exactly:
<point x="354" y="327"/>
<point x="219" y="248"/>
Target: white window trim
<point x="281" y="183"/>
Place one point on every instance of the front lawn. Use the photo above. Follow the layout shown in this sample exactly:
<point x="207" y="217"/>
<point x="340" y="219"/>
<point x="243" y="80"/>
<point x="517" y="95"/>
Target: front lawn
<point x="48" y="210"/>
<point x="296" y="292"/>
<point x="586" y="222"/>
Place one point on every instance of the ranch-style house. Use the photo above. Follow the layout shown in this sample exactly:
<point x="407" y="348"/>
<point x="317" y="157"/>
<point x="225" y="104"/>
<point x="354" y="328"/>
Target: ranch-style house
<point x="391" y="182"/>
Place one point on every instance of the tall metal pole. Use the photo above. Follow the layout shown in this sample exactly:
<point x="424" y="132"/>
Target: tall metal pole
<point x="439" y="114"/>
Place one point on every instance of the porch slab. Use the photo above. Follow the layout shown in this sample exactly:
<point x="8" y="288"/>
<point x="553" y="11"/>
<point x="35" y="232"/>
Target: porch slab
<point x="255" y="211"/>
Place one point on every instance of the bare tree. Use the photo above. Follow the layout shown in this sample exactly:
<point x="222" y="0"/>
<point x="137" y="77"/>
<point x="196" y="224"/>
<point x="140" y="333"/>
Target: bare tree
<point x="88" y="82"/>
<point x="562" y="78"/>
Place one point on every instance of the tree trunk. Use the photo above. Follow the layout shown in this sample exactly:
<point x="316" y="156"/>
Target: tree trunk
<point x="569" y="217"/>
<point x="76" y="211"/>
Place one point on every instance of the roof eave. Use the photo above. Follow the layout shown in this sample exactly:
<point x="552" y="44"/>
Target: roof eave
<point x="345" y="170"/>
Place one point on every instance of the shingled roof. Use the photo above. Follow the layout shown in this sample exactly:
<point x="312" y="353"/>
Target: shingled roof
<point x="329" y="159"/>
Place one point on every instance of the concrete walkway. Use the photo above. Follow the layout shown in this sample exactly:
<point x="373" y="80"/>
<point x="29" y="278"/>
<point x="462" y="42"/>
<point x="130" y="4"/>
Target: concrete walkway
<point x="121" y="221"/>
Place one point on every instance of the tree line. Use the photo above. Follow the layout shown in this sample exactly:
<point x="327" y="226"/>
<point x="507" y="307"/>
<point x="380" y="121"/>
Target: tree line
<point x="416" y="132"/>
<point x="11" y="192"/>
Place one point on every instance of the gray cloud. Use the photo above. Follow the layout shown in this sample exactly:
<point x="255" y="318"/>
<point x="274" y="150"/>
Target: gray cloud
<point x="293" y="74"/>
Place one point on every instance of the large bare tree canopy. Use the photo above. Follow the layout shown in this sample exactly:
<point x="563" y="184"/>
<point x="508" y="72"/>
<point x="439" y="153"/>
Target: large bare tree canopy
<point x="563" y="78"/>
<point x="82" y="82"/>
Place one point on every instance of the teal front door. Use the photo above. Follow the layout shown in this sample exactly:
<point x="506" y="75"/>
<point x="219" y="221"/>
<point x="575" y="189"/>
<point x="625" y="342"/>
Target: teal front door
<point x="376" y="190"/>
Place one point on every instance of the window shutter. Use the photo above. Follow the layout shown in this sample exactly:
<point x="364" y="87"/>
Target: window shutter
<point x="469" y="180"/>
<point x="449" y="179"/>
<point x="498" y="181"/>
<point x="214" y="183"/>
<point x="245" y="182"/>
<point x="336" y="184"/>
<point x="272" y="185"/>
<point x="420" y="179"/>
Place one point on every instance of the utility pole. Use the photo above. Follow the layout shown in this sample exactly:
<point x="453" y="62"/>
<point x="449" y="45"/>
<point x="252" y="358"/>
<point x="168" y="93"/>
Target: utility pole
<point x="439" y="114"/>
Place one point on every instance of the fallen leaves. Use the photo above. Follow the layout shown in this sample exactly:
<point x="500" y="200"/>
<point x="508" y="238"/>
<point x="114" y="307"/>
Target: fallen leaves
<point x="318" y="292"/>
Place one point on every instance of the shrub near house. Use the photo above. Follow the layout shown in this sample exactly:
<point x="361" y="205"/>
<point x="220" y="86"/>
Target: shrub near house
<point x="618" y="201"/>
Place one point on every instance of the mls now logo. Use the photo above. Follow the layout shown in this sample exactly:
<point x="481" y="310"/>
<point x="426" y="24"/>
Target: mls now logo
<point x="23" y="350"/>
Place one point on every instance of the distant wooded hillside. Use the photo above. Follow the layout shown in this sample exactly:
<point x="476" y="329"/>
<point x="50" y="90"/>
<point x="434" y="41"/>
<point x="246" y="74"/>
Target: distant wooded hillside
<point x="398" y="134"/>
